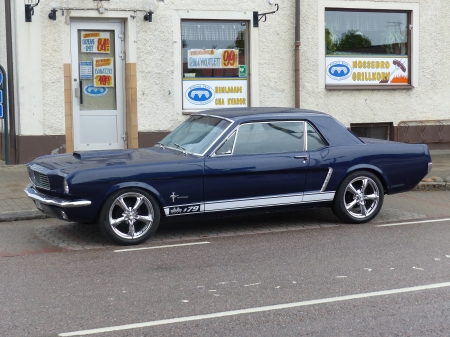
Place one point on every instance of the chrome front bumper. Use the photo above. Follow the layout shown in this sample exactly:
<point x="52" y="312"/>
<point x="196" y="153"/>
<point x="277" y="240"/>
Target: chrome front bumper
<point x="53" y="201"/>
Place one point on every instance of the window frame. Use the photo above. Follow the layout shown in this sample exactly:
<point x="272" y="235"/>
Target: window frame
<point x="248" y="57"/>
<point x="235" y="131"/>
<point x="413" y="10"/>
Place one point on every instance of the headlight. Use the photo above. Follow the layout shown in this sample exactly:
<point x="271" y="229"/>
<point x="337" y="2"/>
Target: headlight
<point x="66" y="187"/>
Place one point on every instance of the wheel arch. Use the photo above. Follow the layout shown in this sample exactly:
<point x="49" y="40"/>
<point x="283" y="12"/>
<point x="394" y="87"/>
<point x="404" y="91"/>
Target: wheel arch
<point x="371" y="168"/>
<point x="137" y="185"/>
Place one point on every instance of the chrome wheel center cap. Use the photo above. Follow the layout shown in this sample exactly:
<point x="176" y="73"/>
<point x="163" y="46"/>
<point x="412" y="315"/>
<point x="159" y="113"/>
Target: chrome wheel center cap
<point x="129" y="215"/>
<point x="360" y="197"/>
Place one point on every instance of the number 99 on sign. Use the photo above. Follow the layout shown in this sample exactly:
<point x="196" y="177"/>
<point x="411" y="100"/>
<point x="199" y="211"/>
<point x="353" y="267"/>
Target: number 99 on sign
<point x="230" y="58"/>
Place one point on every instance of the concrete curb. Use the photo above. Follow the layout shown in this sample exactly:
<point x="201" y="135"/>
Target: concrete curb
<point x="434" y="186"/>
<point x="21" y="215"/>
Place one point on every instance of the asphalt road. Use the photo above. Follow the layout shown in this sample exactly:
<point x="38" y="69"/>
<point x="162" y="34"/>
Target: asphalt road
<point x="366" y="280"/>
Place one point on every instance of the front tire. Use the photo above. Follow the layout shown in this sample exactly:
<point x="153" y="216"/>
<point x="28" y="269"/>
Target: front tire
<point x="359" y="197"/>
<point x="129" y="216"/>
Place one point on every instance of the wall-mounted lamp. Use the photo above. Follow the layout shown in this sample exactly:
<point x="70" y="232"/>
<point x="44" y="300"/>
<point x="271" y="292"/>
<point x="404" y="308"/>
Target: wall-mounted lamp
<point x="52" y="14"/>
<point x="150" y="7"/>
<point x="29" y="9"/>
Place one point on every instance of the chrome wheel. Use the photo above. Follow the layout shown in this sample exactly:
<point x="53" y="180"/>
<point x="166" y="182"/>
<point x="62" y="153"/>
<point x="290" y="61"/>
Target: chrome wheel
<point x="361" y="197"/>
<point x="131" y="215"/>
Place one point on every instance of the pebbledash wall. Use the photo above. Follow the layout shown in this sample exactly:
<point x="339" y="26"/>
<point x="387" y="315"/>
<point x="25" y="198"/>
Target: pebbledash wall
<point x="153" y="79"/>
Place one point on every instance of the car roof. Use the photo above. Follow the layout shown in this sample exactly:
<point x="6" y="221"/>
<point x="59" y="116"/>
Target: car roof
<point x="238" y="113"/>
<point x="334" y="132"/>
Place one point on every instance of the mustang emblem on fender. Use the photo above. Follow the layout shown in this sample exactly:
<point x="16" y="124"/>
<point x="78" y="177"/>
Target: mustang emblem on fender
<point x="173" y="196"/>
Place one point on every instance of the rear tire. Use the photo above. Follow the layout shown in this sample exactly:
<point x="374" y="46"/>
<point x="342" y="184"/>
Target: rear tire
<point x="129" y="216"/>
<point x="359" y="197"/>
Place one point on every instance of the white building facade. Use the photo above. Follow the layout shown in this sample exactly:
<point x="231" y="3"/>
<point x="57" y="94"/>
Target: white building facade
<point x="99" y="75"/>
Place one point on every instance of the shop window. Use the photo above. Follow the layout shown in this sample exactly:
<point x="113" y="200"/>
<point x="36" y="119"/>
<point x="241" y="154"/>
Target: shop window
<point x="367" y="48"/>
<point x="215" y="64"/>
<point x="373" y="130"/>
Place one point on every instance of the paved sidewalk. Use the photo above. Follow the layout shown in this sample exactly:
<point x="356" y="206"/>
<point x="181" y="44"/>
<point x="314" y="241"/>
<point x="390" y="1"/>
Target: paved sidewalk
<point x="14" y="205"/>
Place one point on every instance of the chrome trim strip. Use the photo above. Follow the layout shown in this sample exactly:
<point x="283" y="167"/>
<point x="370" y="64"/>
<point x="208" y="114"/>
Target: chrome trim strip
<point x="305" y="136"/>
<point x="430" y="167"/>
<point x="53" y="201"/>
<point x="327" y="179"/>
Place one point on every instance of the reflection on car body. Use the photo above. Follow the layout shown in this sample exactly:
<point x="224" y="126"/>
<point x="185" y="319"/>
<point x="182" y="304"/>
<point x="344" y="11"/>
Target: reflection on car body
<point x="227" y="160"/>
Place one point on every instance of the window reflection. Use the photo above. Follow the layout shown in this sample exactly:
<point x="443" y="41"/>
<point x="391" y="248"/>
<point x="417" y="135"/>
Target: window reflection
<point x="365" y="32"/>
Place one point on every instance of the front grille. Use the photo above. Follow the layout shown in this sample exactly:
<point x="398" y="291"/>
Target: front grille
<point x="39" y="179"/>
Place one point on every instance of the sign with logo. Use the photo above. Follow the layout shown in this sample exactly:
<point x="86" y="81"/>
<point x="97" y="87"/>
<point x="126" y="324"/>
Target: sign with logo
<point x="86" y="70"/>
<point x="90" y="90"/>
<point x="242" y="71"/>
<point x="214" y="93"/>
<point x="213" y="58"/>
<point x="95" y="42"/>
<point x="177" y="210"/>
<point x="104" y="72"/>
<point x="364" y="70"/>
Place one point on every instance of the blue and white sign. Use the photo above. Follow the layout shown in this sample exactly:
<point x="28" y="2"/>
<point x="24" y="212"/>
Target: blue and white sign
<point x="367" y="70"/>
<point x="86" y="70"/>
<point x="200" y="94"/>
<point x="218" y="92"/>
<point x="339" y="70"/>
<point x="90" y="90"/>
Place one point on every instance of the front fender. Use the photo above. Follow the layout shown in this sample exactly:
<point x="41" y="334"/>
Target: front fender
<point x="132" y="184"/>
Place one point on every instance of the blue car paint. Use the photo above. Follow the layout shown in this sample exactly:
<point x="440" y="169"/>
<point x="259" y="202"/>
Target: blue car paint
<point x="95" y="175"/>
<point x="254" y="175"/>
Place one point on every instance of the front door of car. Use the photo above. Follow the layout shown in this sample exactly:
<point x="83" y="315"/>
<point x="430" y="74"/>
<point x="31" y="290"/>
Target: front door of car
<point x="260" y="165"/>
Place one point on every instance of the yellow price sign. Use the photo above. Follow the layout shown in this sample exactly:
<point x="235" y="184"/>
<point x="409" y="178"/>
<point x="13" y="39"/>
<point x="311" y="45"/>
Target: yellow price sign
<point x="230" y="58"/>
<point x="104" y="81"/>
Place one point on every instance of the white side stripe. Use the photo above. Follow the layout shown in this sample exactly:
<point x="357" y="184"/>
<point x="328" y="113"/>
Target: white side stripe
<point x="253" y="310"/>
<point x="275" y="200"/>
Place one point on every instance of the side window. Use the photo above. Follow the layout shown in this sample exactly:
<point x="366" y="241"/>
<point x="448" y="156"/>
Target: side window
<point x="227" y="146"/>
<point x="269" y="137"/>
<point x="314" y="140"/>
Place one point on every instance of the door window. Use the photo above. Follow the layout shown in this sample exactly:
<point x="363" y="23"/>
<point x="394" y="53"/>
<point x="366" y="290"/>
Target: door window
<point x="269" y="137"/>
<point x="96" y="52"/>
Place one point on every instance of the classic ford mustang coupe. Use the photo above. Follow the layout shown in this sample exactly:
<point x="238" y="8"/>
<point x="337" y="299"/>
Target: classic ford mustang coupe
<point x="227" y="160"/>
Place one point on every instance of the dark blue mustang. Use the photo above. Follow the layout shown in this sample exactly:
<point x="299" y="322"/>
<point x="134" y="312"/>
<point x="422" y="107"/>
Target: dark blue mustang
<point x="227" y="160"/>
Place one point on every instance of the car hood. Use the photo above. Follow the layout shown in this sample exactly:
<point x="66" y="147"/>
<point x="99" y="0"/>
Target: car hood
<point x="68" y="163"/>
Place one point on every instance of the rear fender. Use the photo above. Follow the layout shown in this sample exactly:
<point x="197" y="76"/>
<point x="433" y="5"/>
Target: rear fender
<point x="367" y="167"/>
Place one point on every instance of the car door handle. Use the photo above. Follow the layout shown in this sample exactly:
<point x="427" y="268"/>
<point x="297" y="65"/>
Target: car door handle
<point x="301" y="157"/>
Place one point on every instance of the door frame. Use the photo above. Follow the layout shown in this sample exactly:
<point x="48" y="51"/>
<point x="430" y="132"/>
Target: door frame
<point x="118" y="26"/>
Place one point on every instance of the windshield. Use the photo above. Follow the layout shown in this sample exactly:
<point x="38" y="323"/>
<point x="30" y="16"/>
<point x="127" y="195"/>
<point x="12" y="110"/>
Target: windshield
<point x="196" y="134"/>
